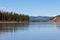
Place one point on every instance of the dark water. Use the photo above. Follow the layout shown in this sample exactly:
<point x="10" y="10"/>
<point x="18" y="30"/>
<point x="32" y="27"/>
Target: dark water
<point x="30" y="31"/>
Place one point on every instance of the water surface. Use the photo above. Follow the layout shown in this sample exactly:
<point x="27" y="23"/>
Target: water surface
<point x="30" y="31"/>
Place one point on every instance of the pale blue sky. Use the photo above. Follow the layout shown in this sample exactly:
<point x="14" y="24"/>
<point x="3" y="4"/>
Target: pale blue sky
<point x="32" y="7"/>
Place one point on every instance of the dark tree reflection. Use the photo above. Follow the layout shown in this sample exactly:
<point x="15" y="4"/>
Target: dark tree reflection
<point x="13" y="27"/>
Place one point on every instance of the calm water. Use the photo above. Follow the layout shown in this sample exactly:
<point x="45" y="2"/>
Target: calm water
<point x="30" y="31"/>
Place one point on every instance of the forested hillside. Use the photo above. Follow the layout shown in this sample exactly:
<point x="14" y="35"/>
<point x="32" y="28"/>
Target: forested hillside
<point x="10" y="16"/>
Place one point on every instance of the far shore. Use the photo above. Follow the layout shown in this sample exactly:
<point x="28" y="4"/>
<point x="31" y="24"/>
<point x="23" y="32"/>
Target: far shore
<point x="14" y="22"/>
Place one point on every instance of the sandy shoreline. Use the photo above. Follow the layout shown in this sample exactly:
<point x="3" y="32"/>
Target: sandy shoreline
<point x="13" y="22"/>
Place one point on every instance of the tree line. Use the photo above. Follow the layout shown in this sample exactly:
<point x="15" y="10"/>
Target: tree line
<point x="10" y="16"/>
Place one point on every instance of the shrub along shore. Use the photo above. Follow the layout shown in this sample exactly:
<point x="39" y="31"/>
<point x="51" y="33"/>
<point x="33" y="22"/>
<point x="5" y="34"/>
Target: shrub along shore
<point x="10" y="17"/>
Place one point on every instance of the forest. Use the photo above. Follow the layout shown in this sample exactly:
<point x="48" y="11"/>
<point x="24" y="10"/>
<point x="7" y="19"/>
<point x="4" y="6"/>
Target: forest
<point x="12" y="16"/>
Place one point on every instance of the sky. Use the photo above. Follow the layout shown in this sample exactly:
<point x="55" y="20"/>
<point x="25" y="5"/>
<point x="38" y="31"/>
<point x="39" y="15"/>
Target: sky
<point x="32" y="7"/>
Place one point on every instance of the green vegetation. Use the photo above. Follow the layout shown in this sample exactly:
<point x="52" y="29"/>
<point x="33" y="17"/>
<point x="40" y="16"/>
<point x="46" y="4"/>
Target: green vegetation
<point x="54" y="17"/>
<point x="57" y="16"/>
<point x="10" y="16"/>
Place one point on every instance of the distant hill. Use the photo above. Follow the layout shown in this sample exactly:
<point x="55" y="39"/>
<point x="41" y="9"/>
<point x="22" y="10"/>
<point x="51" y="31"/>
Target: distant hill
<point x="40" y="18"/>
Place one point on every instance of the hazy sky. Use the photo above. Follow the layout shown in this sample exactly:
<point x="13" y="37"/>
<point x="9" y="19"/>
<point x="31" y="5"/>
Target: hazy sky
<point x="32" y="7"/>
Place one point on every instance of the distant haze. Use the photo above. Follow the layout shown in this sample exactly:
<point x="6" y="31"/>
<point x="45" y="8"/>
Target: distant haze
<point x="40" y="18"/>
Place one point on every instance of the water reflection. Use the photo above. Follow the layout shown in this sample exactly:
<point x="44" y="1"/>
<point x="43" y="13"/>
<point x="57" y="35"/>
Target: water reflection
<point x="13" y="27"/>
<point x="32" y="31"/>
<point x="57" y="25"/>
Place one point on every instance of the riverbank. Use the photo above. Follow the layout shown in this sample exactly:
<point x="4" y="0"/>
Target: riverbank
<point x="13" y="22"/>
